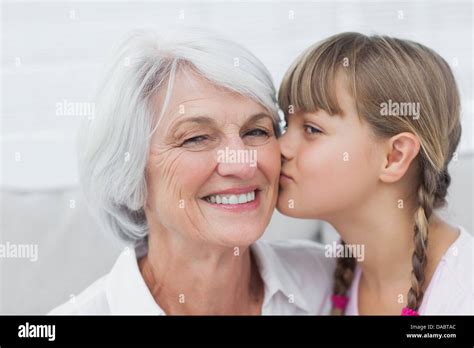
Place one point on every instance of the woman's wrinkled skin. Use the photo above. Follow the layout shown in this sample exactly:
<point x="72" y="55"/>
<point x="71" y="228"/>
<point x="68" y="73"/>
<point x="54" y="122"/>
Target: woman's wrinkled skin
<point x="198" y="260"/>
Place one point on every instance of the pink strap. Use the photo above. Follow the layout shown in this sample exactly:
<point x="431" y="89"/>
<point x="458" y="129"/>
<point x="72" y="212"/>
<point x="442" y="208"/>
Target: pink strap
<point x="409" y="312"/>
<point x="340" y="301"/>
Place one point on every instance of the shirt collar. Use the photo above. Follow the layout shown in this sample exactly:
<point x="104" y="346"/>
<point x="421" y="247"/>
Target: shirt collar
<point x="278" y="276"/>
<point x="128" y="294"/>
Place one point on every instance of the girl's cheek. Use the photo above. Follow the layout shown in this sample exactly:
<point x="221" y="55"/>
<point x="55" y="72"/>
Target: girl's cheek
<point x="318" y="160"/>
<point x="329" y="167"/>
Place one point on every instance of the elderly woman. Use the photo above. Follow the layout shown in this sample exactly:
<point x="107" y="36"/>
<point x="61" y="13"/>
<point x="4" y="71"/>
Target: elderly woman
<point x="182" y="162"/>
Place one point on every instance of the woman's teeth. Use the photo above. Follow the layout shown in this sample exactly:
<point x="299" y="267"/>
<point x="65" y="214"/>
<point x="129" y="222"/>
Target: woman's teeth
<point x="231" y="199"/>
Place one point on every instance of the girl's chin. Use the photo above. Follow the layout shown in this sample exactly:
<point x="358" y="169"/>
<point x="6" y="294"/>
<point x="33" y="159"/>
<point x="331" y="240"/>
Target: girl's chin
<point x="285" y="210"/>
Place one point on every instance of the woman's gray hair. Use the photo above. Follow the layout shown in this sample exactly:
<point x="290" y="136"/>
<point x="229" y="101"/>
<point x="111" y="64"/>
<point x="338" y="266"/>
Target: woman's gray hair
<point x="113" y="145"/>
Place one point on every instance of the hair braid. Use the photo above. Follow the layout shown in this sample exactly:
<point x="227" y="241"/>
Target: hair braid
<point x="343" y="275"/>
<point x="426" y="198"/>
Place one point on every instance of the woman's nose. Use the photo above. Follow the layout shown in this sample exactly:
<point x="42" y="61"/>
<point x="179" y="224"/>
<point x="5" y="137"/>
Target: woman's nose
<point x="237" y="160"/>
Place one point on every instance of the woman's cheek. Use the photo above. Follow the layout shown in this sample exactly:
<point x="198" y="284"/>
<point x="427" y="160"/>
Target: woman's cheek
<point x="193" y="171"/>
<point x="269" y="160"/>
<point x="181" y="174"/>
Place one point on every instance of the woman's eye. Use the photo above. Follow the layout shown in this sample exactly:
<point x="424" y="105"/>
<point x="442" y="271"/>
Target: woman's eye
<point x="311" y="130"/>
<point x="257" y="133"/>
<point x="195" y="140"/>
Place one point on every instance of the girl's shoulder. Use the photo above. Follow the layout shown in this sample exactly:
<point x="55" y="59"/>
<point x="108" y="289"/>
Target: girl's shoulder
<point x="452" y="288"/>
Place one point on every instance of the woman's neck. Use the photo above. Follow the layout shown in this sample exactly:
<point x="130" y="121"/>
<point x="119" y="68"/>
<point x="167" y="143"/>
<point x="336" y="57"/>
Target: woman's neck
<point x="193" y="278"/>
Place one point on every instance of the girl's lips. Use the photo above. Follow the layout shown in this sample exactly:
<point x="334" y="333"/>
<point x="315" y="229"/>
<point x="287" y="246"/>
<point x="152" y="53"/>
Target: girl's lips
<point x="285" y="178"/>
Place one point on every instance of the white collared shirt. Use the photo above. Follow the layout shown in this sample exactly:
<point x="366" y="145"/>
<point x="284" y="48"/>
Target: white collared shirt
<point x="296" y="274"/>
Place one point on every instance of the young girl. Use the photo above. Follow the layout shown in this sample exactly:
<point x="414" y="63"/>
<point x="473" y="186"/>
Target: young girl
<point x="372" y="124"/>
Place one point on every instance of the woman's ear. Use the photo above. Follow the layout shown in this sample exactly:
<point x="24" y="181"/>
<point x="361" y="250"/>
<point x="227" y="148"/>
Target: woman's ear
<point x="401" y="149"/>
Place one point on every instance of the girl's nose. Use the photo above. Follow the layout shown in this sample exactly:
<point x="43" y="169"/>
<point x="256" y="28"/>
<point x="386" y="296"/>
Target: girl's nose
<point x="287" y="146"/>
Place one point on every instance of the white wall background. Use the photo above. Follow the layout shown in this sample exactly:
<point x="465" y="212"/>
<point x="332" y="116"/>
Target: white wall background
<point x="54" y="51"/>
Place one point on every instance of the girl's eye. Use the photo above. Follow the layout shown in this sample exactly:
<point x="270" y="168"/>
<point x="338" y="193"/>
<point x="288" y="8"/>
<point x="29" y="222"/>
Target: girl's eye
<point x="311" y="130"/>
<point x="195" y="140"/>
<point x="257" y="133"/>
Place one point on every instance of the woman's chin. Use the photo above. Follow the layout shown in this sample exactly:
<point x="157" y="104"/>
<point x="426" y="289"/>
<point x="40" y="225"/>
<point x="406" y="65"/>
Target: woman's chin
<point x="239" y="236"/>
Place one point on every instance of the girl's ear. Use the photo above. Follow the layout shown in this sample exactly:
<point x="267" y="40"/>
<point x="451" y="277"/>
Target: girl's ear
<point x="401" y="149"/>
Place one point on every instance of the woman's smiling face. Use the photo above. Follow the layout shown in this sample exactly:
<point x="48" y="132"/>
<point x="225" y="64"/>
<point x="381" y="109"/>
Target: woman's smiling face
<point x="213" y="166"/>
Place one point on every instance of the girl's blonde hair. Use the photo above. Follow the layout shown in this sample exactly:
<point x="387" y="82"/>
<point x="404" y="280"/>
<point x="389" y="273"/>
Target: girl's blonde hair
<point x="378" y="70"/>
